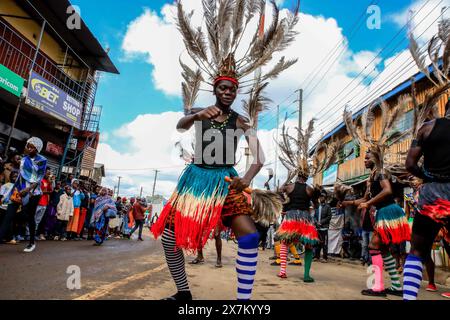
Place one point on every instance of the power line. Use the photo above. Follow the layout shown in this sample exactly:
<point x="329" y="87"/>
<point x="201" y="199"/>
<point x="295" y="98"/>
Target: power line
<point x="338" y="104"/>
<point x="344" y="47"/>
<point x="395" y="77"/>
<point x="381" y="87"/>
<point x="326" y="59"/>
<point x="362" y="71"/>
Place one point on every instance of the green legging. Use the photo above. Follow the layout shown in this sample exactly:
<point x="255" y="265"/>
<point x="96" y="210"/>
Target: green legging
<point x="308" y="261"/>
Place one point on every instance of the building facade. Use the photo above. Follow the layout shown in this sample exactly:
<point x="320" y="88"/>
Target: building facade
<point x="351" y="170"/>
<point x="49" y="65"/>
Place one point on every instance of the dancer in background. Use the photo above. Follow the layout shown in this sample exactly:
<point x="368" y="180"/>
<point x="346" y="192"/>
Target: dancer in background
<point x="391" y="225"/>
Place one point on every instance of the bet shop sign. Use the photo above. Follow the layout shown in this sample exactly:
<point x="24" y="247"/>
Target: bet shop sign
<point x="52" y="100"/>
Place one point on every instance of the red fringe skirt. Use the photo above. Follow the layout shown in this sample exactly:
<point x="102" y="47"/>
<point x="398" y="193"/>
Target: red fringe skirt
<point x="298" y="226"/>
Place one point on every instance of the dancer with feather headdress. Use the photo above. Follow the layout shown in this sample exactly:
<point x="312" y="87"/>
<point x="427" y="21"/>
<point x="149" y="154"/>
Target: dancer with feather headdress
<point x="202" y="196"/>
<point x="391" y="225"/>
<point x="431" y="141"/>
<point x="298" y="225"/>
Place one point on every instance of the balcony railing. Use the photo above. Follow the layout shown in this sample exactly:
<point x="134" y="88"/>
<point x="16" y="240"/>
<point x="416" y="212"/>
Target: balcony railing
<point x="17" y="54"/>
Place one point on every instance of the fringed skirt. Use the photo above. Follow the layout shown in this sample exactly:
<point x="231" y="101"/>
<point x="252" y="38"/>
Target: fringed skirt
<point x="434" y="201"/>
<point x="298" y="226"/>
<point x="391" y="225"/>
<point x="200" y="203"/>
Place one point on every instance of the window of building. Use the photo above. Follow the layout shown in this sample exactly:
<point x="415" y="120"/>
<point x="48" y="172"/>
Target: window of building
<point x="351" y="149"/>
<point x="405" y="122"/>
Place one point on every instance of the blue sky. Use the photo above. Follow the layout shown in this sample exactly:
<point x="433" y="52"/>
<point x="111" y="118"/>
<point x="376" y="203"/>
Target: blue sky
<point x="141" y="105"/>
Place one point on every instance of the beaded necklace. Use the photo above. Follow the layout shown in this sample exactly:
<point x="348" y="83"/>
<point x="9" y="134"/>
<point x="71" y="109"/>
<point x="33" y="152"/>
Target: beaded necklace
<point x="220" y="125"/>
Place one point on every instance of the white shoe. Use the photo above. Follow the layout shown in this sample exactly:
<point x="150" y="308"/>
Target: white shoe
<point x="56" y="238"/>
<point x="42" y="237"/>
<point x="30" y="248"/>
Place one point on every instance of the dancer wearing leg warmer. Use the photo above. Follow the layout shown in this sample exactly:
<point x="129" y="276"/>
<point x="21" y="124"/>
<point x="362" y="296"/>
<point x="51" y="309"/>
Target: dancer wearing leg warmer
<point x="202" y="197"/>
<point x="433" y="210"/>
<point x="246" y="261"/>
<point x="391" y="227"/>
<point x="298" y="225"/>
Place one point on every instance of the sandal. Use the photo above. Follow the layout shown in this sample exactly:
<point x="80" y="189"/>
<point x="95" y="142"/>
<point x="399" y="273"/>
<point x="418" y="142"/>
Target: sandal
<point x="197" y="261"/>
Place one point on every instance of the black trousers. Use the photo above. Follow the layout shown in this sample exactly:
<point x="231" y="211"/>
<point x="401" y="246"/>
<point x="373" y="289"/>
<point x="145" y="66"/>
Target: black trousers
<point x="61" y="227"/>
<point x="138" y="224"/>
<point x="262" y="230"/>
<point x="7" y="222"/>
<point x="322" y="245"/>
<point x="30" y="211"/>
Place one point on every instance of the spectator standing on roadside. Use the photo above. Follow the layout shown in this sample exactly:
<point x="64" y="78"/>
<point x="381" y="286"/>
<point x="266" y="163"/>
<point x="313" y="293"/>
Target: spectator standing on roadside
<point x="139" y="217"/>
<point x="65" y="210"/>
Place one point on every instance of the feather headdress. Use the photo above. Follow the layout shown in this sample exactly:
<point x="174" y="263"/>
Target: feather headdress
<point x="296" y="157"/>
<point x="214" y="48"/>
<point x="341" y="190"/>
<point x="386" y="162"/>
<point x="438" y="52"/>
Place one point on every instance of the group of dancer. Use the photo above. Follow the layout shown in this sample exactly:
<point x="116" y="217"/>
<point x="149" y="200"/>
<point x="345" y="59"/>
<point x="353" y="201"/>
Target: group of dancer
<point x="204" y="202"/>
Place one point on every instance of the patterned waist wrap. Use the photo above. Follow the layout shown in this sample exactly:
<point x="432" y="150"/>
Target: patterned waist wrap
<point x="434" y="201"/>
<point x="298" y="226"/>
<point x="391" y="225"/>
<point x="200" y="203"/>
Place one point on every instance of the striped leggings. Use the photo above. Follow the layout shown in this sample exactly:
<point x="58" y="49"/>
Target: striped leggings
<point x="175" y="260"/>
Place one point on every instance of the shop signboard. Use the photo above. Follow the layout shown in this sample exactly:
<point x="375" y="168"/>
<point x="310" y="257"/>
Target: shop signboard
<point x="10" y="81"/>
<point x="52" y="100"/>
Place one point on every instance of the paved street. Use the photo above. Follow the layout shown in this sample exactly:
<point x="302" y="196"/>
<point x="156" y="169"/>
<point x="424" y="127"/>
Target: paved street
<point x="123" y="269"/>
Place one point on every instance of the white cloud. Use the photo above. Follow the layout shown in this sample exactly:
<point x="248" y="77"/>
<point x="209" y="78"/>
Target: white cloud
<point x="424" y="14"/>
<point x="150" y="140"/>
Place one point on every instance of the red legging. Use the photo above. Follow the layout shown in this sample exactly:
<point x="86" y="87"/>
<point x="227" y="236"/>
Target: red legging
<point x="83" y="212"/>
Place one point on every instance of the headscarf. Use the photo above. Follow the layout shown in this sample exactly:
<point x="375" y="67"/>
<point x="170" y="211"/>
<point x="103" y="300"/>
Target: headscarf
<point x="35" y="141"/>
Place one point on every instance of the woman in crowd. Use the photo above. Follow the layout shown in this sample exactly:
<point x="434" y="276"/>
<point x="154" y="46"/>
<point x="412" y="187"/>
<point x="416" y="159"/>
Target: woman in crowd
<point x="104" y="204"/>
<point x="6" y="207"/>
<point x="13" y="164"/>
<point x="65" y="212"/>
<point x="78" y="196"/>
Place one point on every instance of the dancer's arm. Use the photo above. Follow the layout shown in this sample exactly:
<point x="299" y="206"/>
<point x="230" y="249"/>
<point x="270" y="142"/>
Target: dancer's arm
<point x="186" y="122"/>
<point x="256" y="152"/>
<point x="385" y="192"/>
<point x="416" y="152"/>
<point x="347" y="203"/>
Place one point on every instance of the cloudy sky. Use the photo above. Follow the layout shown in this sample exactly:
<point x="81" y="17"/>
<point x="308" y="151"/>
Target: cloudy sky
<point x="345" y="58"/>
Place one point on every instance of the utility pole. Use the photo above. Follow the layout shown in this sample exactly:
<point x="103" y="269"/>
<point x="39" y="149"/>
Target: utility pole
<point x="154" y="183"/>
<point x="276" y="150"/>
<point x="118" y="185"/>
<point x="140" y="195"/>
<point x="300" y="109"/>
